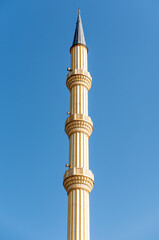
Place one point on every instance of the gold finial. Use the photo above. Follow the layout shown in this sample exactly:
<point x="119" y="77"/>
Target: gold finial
<point x="79" y="11"/>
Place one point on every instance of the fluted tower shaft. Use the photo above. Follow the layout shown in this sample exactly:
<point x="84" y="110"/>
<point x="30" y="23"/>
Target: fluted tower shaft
<point x="78" y="179"/>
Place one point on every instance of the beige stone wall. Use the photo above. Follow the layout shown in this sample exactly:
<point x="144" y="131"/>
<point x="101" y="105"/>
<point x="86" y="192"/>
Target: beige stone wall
<point x="78" y="179"/>
<point x="79" y="57"/>
<point x="78" y="215"/>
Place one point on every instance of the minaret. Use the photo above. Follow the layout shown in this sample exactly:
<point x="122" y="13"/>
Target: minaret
<point x="78" y="179"/>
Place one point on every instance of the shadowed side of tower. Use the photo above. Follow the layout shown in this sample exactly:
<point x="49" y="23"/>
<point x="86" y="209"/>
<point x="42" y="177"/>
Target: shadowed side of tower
<point x="78" y="179"/>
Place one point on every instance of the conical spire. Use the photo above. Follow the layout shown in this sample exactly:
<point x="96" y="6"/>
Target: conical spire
<point x="79" y="34"/>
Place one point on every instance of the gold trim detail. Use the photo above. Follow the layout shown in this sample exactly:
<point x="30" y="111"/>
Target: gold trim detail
<point x="78" y="123"/>
<point x="79" y="45"/>
<point x="78" y="178"/>
<point x="79" y="77"/>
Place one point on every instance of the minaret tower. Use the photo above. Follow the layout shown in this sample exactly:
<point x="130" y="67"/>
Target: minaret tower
<point x="78" y="179"/>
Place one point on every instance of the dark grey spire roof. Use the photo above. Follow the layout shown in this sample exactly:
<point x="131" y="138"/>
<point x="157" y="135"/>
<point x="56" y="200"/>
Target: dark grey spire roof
<point x="79" y="34"/>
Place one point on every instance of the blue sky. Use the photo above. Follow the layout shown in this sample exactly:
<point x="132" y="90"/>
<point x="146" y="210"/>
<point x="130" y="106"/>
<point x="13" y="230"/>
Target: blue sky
<point x="123" y="42"/>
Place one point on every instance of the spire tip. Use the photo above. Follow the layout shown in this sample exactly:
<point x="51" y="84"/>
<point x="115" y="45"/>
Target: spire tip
<point x="79" y="34"/>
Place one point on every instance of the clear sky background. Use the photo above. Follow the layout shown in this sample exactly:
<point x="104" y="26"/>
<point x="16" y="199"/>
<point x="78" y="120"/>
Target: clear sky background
<point x="123" y="41"/>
